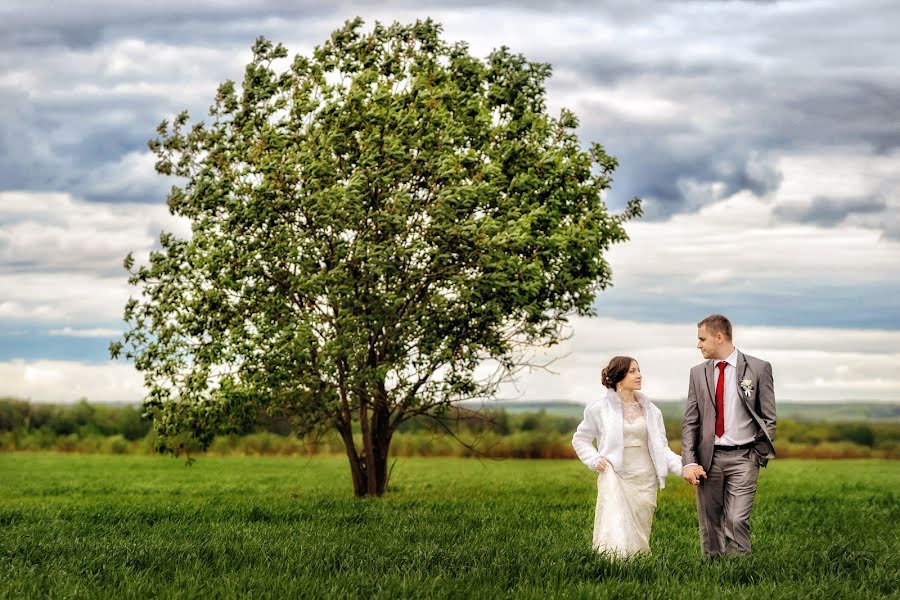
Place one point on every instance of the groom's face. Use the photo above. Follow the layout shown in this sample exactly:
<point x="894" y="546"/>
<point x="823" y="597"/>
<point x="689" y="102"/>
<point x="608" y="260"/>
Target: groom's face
<point x="709" y="344"/>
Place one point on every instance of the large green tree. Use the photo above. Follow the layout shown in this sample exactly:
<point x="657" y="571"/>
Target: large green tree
<point x="371" y="225"/>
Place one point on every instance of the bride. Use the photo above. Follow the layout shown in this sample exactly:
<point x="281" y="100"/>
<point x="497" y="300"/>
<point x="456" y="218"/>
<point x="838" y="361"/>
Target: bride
<point x="633" y="459"/>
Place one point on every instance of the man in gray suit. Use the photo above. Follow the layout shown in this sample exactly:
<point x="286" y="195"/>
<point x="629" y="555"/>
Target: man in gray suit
<point x="726" y="436"/>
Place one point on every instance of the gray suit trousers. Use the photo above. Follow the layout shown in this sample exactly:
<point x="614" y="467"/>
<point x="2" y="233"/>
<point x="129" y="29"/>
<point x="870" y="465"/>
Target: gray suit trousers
<point x="724" y="500"/>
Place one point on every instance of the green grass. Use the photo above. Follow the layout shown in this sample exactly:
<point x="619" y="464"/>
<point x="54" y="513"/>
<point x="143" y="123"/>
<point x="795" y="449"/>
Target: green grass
<point x="135" y="526"/>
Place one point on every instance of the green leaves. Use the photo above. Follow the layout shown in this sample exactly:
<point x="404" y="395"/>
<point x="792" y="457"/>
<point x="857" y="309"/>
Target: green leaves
<point x="368" y="226"/>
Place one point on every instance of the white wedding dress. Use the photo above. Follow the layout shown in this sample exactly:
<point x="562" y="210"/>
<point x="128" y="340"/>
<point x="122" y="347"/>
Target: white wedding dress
<point x="626" y="501"/>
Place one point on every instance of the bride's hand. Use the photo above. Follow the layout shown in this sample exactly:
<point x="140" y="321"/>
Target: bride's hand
<point x="601" y="465"/>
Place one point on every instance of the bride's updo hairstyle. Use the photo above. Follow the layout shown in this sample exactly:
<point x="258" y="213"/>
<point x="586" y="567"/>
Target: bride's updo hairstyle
<point x="616" y="371"/>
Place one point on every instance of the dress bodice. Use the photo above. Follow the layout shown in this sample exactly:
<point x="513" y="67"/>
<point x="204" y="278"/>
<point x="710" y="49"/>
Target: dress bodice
<point x="634" y="432"/>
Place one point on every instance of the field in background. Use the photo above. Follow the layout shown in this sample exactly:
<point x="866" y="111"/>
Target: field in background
<point x="147" y="526"/>
<point x="511" y="431"/>
<point x="850" y="411"/>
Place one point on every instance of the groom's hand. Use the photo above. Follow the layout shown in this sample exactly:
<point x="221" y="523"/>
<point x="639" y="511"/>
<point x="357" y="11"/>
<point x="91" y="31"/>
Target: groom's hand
<point x="693" y="473"/>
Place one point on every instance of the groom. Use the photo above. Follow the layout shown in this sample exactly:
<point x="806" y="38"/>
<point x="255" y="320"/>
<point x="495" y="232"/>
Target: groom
<point x="726" y="436"/>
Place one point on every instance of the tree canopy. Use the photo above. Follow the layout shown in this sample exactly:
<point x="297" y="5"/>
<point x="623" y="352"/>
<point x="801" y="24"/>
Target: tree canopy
<point x="370" y="225"/>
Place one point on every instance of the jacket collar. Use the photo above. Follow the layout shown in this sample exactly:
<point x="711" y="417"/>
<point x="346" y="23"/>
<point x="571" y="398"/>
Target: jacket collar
<point x="613" y="398"/>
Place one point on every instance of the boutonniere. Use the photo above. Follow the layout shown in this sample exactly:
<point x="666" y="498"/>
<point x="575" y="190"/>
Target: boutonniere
<point x="747" y="386"/>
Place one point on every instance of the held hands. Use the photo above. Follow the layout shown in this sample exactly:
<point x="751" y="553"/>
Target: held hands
<point x="693" y="473"/>
<point x="601" y="465"/>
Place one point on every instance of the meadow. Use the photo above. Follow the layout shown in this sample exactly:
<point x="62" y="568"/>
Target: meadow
<point x="129" y="526"/>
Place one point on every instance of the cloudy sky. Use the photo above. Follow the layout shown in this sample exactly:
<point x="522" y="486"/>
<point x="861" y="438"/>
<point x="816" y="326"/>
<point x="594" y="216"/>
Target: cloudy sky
<point x="764" y="138"/>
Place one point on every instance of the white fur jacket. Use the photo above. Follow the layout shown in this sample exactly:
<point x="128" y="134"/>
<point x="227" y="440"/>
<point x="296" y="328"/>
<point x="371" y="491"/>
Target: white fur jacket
<point x="603" y="422"/>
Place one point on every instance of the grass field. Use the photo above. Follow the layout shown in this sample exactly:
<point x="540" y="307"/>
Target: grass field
<point x="136" y="526"/>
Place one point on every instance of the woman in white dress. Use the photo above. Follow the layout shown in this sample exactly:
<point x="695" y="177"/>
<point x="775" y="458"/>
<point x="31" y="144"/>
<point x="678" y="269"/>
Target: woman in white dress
<point x="632" y="458"/>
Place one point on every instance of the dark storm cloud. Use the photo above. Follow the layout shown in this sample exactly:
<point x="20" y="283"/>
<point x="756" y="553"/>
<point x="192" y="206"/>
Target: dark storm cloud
<point x="790" y="77"/>
<point x="758" y="116"/>
<point x="827" y="212"/>
<point x="752" y="80"/>
<point x="671" y="179"/>
<point x="87" y="23"/>
<point x="72" y="114"/>
<point x="890" y="226"/>
<point x="42" y="149"/>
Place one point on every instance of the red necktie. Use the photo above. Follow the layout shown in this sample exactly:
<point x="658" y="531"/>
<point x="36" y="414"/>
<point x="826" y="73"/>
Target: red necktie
<point x="720" y="400"/>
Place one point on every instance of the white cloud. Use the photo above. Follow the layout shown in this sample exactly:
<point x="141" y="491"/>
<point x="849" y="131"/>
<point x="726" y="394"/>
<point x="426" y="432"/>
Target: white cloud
<point x="841" y="174"/>
<point x="132" y="176"/>
<point x="809" y="364"/>
<point x="736" y="242"/>
<point x="57" y="231"/>
<point x="63" y="297"/>
<point x="99" y="332"/>
<point x="67" y="381"/>
<point x="61" y="258"/>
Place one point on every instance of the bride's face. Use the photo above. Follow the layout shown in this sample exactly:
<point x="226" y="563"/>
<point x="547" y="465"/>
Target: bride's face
<point x="632" y="379"/>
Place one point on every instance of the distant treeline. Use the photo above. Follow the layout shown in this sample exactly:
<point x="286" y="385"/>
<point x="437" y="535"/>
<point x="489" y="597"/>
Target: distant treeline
<point x="101" y="428"/>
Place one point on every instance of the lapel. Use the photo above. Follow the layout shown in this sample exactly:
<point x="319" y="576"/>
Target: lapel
<point x="741" y="373"/>
<point x="614" y="429"/>
<point x="710" y="382"/>
<point x="740" y="370"/>
<point x="651" y="435"/>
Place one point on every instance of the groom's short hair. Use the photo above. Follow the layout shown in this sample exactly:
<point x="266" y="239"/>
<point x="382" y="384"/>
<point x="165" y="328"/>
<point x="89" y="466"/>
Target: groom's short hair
<point x="717" y="324"/>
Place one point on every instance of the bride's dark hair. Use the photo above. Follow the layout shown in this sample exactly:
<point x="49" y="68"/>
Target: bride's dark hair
<point x="616" y="371"/>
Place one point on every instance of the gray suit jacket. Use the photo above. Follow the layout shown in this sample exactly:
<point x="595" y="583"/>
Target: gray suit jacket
<point x="698" y="430"/>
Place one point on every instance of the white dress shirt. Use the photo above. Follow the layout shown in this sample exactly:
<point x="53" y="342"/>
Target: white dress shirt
<point x="739" y="426"/>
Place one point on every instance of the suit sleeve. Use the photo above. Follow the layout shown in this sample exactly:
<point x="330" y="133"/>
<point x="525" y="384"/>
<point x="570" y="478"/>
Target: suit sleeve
<point x="767" y="400"/>
<point x="690" y="427"/>
<point x="583" y="441"/>
<point x="673" y="461"/>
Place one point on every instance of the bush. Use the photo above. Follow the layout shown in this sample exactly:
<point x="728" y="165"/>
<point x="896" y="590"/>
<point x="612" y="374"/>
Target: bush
<point x="116" y="444"/>
<point x="121" y="429"/>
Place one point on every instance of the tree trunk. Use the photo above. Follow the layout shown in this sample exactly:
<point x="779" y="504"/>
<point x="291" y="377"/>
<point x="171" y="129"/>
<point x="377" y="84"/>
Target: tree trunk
<point x="381" y="443"/>
<point x="357" y="466"/>
<point x="369" y="469"/>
